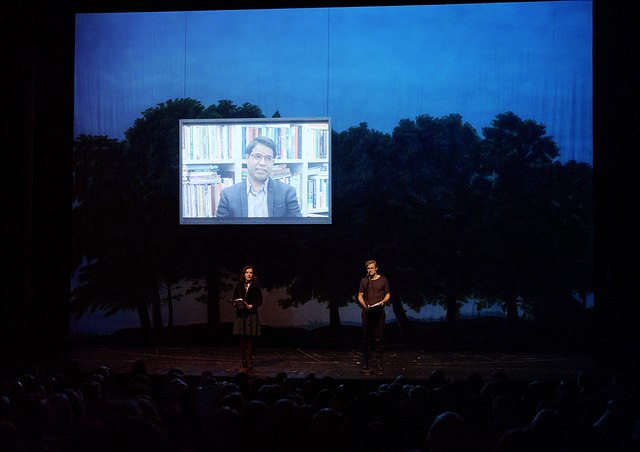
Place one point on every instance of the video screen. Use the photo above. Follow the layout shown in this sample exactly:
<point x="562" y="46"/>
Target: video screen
<point x="255" y="171"/>
<point x="454" y="142"/>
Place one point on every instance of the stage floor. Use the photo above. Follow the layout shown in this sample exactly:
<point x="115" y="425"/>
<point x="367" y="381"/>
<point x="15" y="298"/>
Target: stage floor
<point x="344" y="364"/>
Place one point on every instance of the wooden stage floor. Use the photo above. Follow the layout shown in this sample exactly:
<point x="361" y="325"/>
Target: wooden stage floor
<point x="337" y="363"/>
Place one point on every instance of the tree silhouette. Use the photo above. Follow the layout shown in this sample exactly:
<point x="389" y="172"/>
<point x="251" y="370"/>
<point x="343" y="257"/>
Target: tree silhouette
<point x="537" y="222"/>
<point x="227" y="109"/>
<point x="435" y="210"/>
<point x="125" y="213"/>
<point x="102" y="245"/>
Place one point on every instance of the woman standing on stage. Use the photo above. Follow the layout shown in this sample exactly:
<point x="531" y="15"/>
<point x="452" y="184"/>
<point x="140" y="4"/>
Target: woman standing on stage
<point x="247" y="297"/>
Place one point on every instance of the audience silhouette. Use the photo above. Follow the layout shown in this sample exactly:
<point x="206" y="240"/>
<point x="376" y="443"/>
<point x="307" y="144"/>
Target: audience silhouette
<point x="102" y="412"/>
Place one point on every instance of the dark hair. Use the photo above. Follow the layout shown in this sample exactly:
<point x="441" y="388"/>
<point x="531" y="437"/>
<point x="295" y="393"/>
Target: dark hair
<point x="261" y="139"/>
<point x="244" y="269"/>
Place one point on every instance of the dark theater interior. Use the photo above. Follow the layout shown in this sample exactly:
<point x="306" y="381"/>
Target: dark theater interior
<point x="457" y="209"/>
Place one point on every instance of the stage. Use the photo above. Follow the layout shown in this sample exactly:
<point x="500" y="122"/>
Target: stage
<point x="337" y="363"/>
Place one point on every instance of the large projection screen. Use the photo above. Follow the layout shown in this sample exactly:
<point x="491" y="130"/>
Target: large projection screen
<point x="373" y="71"/>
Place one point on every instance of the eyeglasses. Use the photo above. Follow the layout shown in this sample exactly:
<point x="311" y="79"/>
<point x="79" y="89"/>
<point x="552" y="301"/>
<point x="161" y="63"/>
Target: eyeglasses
<point x="257" y="157"/>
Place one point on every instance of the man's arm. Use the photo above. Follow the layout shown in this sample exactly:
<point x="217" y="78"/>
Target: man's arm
<point x="387" y="292"/>
<point x="223" y="205"/>
<point x="283" y="200"/>
<point x="292" y="204"/>
<point x="230" y="204"/>
<point x="361" y="299"/>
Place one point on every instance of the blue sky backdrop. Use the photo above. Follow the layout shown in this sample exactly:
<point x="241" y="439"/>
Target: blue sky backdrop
<point x="355" y="64"/>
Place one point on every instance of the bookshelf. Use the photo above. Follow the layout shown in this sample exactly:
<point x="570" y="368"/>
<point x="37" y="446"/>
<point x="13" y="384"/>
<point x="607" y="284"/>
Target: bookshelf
<point x="212" y="157"/>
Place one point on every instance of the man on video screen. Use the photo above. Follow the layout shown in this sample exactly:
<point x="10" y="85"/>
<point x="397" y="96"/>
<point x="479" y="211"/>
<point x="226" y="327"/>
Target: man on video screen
<point x="259" y="195"/>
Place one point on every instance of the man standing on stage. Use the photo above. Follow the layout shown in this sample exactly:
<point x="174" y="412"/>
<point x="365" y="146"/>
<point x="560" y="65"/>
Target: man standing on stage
<point x="373" y="295"/>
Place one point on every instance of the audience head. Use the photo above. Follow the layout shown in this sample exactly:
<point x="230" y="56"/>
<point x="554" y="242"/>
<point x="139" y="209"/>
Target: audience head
<point x="448" y="432"/>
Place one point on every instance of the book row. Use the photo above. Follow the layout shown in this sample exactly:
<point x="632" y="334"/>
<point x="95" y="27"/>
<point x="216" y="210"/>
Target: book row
<point x="228" y="142"/>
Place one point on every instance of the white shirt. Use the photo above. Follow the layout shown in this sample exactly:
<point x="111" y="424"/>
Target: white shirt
<point x="257" y="201"/>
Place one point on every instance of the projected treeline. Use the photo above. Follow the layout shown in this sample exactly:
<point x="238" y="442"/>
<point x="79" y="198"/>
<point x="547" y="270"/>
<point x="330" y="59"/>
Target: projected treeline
<point x="451" y="214"/>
